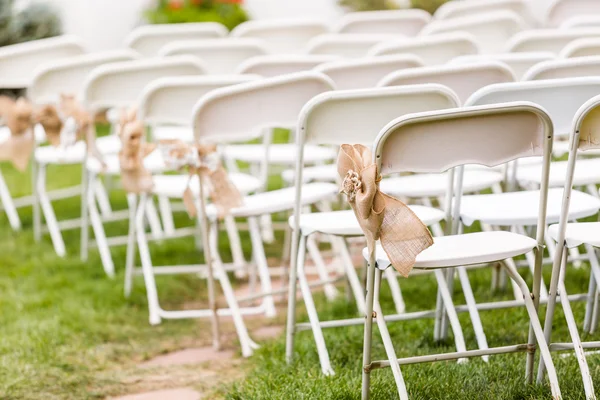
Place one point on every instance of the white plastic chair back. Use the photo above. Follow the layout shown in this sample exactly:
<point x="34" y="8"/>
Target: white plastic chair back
<point x="366" y="72"/>
<point x="356" y="116"/>
<point x="519" y="63"/>
<point x="67" y="76"/>
<point x="464" y="80"/>
<point x="581" y="48"/>
<point x="552" y="40"/>
<point x="433" y="50"/>
<point x="561" y="98"/>
<point x="466" y="8"/>
<point x="273" y="65"/>
<point x="220" y="56"/>
<point x="394" y="22"/>
<point x="120" y="84"/>
<point x="581" y="21"/>
<point x="18" y="61"/>
<point x="587" y="124"/>
<point x="564" y="68"/>
<point x="171" y="100"/>
<point x="149" y="39"/>
<point x="282" y="35"/>
<point x="352" y="46"/>
<point x="562" y="10"/>
<point x="242" y="112"/>
<point x="491" y="30"/>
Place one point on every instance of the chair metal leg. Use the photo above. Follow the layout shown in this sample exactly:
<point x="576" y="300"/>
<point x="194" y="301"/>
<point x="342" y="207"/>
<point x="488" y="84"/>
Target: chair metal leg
<point x="99" y="234"/>
<point x="473" y="312"/>
<point x="258" y="252"/>
<point x="102" y="198"/>
<point x="87" y="187"/>
<point x="595" y="313"/>
<point x="444" y="291"/>
<point x="450" y="272"/>
<point x="153" y="220"/>
<point x="291" y="314"/>
<point x="131" y="243"/>
<point x="235" y="244"/>
<point x="48" y="211"/>
<point x="392" y="280"/>
<point x="266" y="228"/>
<point x="315" y="254"/>
<point x="146" y="260"/>
<point x="9" y="205"/>
<point x="211" y="250"/>
<point x="387" y="341"/>
<point x="313" y="317"/>
<point x="37" y="215"/>
<point x="368" y="332"/>
<point x="166" y="214"/>
<point x="355" y="284"/>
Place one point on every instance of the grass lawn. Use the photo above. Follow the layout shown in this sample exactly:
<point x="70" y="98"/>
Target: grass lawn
<point x="67" y="332"/>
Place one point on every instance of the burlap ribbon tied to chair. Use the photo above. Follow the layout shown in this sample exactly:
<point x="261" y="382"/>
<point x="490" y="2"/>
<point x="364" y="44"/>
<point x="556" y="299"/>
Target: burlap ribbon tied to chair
<point x="18" y="117"/>
<point x="135" y="178"/>
<point x="401" y="233"/>
<point x="203" y="161"/>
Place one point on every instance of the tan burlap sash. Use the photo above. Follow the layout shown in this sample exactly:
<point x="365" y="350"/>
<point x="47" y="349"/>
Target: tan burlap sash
<point x="18" y="117"/>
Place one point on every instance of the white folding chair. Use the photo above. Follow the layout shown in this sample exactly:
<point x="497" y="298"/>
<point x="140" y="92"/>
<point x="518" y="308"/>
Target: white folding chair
<point x="564" y="68"/>
<point x="519" y="63"/>
<point x="394" y="22"/>
<point x="458" y="9"/>
<point x="219" y="56"/>
<point x="366" y="72"/>
<point x="584" y="136"/>
<point x="435" y="142"/>
<point x="149" y="39"/>
<point x="272" y="65"/>
<point x="464" y="80"/>
<point x="350" y="45"/>
<point x="118" y="85"/>
<point x="282" y="35"/>
<point x="581" y="48"/>
<point x="264" y="103"/>
<point x="334" y="118"/>
<point x="562" y="10"/>
<point x="19" y="60"/>
<point x="491" y="30"/>
<point x="433" y="50"/>
<point x="552" y="40"/>
<point x="581" y="21"/>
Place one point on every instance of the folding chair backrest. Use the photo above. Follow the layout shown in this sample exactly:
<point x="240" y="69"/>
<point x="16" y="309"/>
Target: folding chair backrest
<point x="436" y="141"/>
<point x="561" y="10"/>
<point x="561" y="98"/>
<point x="395" y="22"/>
<point x="519" y="63"/>
<point x="458" y="9"/>
<point x="433" y="50"/>
<point x="464" y="80"/>
<point x="552" y="40"/>
<point x="67" y="76"/>
<point x="587" y="125"/>
<point x="491" y="30"/>
<point x="120" y="84"/>
<point x="564" y="68"/>
<point x="352" y="46"/>
<point x="149" y="39"/>
<point x="357" y="116"/>
<point x="220" y="56"/>
<point x="18" y="61"/>
<point x="581" y="21"/>
<point x="581" y="48"/>
<point x="273" y="65"/>
<point x="282" y="35"/>
<point x="366" y="72"/>
<point x="242" y="112"/>
<point x="171" y="100"/>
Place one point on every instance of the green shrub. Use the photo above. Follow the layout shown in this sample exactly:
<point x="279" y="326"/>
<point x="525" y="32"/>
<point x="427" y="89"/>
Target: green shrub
<point x="38" y="21"/>
<point x="227" y="12"/>
<point x="371" y="5"/>
<point x="428" y="5"/>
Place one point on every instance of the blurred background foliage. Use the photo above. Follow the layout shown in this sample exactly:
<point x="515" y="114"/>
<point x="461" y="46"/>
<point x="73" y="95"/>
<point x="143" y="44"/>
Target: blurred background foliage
<point x="228" y="12"/>
<point x="372" y="5"/>
<point x="36" y="21"/>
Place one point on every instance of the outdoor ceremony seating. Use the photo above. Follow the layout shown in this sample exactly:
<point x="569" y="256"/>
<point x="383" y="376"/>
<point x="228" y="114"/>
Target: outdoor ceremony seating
<point x="272" y="65"/>
<point x="394" y="22"/>
<point x="519" y="63"/>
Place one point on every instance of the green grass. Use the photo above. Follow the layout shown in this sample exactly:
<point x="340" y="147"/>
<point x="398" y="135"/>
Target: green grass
<point x="67" y="331"/>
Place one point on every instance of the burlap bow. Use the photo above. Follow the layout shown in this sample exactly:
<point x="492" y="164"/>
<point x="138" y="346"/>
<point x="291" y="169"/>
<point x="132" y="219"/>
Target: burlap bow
<point x="401" y="233"/>
<point x="203" y="161"/>
<point x="135" y="178"/>
<point x="18" y="117"/>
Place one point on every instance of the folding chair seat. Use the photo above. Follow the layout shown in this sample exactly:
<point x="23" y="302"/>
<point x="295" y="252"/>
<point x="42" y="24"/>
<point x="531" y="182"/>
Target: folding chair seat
<point x="432" y="49"/>
<point x="395" y="22"/>
<point x="149" y="39"/>
<point x="421" y="143"/>
<point x="348" y="45"/>
<point x="491" y="30"/>
<point x="476" y="7"/>
<point x="584" y="136"/>
<point x="581" y="48"/>
<point x="519" y="63"/>
<point x="219" y="56"/>
<point x="290" y="93"/>
<point x="552" y="40"/>
<point x="562" y="10"/>
<point x="283" y="36"/>
<point x="272" y="65"/>
<point x="333" y="118"/>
